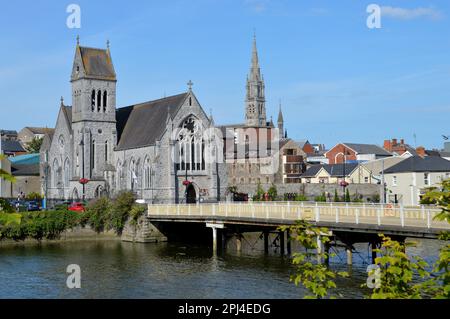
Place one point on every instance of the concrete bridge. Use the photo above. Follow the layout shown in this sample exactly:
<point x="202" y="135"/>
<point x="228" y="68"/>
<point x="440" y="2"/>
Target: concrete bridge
<point x="348" y="223"/>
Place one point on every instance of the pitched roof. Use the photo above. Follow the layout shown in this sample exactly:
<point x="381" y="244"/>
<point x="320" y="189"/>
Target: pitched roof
<point x="40" y="130"/>
<point x="335" y="170"/>
<point x="368" y="149"/>
<point x="25" y="159"/>
<point x="11" y="146"/>
<point x="68" y="113"/>
<point x="97" y="63"/>
<point x="419" y="164"/>
<point x="143" y="124"/>
<point x="8" y="132"/>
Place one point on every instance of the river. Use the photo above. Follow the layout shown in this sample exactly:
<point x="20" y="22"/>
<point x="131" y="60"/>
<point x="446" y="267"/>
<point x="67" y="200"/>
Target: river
<point x="114" y="269"/>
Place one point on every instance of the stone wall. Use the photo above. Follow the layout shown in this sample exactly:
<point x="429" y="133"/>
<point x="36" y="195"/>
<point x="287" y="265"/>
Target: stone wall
<point x="142" y="231"/>
<point x="313" y="190"/>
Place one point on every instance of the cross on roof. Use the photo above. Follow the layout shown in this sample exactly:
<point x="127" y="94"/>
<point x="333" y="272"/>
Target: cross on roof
<point x="190" y="84"/>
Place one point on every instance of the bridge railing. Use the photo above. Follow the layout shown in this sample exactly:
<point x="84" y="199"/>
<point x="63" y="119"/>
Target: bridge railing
<point x="381" y="215"/>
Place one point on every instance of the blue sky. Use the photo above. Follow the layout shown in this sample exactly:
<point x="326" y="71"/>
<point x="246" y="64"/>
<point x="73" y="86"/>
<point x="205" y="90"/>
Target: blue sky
<point x="337" y="79"/>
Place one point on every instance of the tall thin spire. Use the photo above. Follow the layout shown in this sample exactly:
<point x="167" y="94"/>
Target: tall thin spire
<point x="255" y="101"/>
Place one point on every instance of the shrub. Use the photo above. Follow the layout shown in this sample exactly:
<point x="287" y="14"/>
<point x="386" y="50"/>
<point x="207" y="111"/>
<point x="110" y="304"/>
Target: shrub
<point x="5" y="206"/>
<point x="34" y="196"/>
<point x="97" y="214"/>
<point x="321" y="198"/>
<point x="336" y="196"/>
<point x="121" y="210"/>
<point x="301" y="198"/>
<point x="272" y="192"/>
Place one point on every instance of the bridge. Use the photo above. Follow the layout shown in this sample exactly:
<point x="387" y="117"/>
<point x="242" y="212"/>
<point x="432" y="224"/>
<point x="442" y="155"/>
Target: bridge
<point x="348" y="222"/>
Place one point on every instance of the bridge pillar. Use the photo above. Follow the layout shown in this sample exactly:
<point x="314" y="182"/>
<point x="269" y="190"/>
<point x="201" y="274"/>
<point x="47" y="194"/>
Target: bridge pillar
<point x="288" y="244"/>
<point x="214" y="228"/>
<point x="239" y="243"/>
<point x="281" y="236"/>
<point x="266" y="242"/>
<point x="349" y="256"/>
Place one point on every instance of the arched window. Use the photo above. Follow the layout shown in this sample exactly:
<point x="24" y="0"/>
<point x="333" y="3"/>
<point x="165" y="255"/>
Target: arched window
<point x="119" y="175"/>
<point x="55" y="173"/>
<point x="93" y="101"/>
<point x="99" y="100"/>
<point x="147" y="174"/>
<point x="190" y="101"/>
<point x="105" y="101"/>
<point x="92" y="155"/>
<point x="66" y="173"/>
<point x="190" y="146"/>
<point x="132" y="174"/>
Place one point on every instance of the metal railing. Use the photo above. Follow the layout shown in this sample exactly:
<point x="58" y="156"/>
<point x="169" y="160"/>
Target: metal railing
<point x="372" y="214"/>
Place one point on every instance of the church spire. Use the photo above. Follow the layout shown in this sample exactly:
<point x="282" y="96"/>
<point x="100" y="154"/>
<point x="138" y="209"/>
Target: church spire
<point x="255" y="104"/>
<point x="280" y="121"/>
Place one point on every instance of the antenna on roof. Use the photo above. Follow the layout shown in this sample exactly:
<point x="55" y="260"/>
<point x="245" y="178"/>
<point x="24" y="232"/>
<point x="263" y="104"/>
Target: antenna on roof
<point x="78" y="39"/>
<point x="107" y="44"/>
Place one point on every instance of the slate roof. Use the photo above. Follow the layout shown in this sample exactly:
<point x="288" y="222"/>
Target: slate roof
<point x="8" y="132"/>
<point x="97" y="63"/>
<point x="68" y="112"/>
<point x="40" y="130"/>
<point x="368" y="149"/>
<point x="143" y="124"/>
<point x="335" y="170"/>
<point x="419" y="164"/>
<point x="12" y="146"/>
<point x="25" y="169"/>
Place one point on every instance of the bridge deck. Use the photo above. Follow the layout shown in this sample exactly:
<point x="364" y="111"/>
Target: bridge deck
<point x="410" y="222"/>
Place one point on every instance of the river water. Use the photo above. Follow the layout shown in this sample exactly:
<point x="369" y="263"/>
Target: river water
<point x="114" y="269"/>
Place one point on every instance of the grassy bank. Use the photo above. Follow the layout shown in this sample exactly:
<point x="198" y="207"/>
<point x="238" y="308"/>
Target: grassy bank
<point x="101" y="215"/>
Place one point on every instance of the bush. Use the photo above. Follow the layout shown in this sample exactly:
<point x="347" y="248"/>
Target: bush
<point x="301" y="198"/>
<point x="5" y="206"/>
<point x="120" y="211"/>
<point x="34" y="196"/>
<point x="272" y="192"/>
<point x="259" y="193"/>
<point x="336" y="196"/>
<point x="97" y="214"/>
<point x="321" y="198"/>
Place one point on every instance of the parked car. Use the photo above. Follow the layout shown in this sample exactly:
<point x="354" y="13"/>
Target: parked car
<point x="77" y="207"/>
<point x="33" y="206"/>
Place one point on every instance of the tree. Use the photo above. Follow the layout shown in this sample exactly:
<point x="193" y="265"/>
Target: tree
<point x="347" y="196"/>
<point x="336" y="196"/>
<point x="311" y="273"/>
<point x="4" y="174"/>
<point x="259" y="193"/>
<point x="397" y="272"/>
<point x="34" y="146"/>
<point x="272" y="192"/>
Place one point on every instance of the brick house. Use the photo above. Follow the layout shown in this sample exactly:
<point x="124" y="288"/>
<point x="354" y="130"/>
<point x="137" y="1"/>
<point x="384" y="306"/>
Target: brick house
<point x="355" y="152"/>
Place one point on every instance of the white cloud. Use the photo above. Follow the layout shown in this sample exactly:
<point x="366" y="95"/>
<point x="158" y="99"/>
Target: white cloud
<point x="257" y="5"/>
<point x="409" y="14"/>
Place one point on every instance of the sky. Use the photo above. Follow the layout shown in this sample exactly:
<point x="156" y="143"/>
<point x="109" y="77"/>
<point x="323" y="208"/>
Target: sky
<point x="337" y="80"/>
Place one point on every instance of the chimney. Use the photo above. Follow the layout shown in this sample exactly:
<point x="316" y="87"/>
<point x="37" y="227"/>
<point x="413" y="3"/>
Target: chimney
<point x="394" y="141"/>
<point x="402" y="141"/>
<point x="387" y="145"/>
<point x="421" y="151"/>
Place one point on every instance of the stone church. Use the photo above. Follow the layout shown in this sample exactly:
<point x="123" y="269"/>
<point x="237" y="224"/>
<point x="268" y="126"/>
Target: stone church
<point x="162" y="150"/>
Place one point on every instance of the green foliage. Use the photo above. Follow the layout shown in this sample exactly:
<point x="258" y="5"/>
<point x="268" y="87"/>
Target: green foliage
<point x="5" y="206"/>
<point x="7" y="219"/>
<point x="397" y="272"/>
<point x="121" y="208"/>
<point x="311" y="273"/>
<point x="321" y="198"/>
<point x="37" y="225"/>
<point x="347" y="196"/>
<point x="272" y="192"/>
<point x="259" y="193"/>
<point x="97" y="214"/>
<point x="301" y="198"/>
<point x="34" y="196"/>
<point x="136" y="212"/>
<point x="440" y="197"/>
<point x="34" y="146"/>
<point x="336" y="196"/>
<point x="232" y="189"/>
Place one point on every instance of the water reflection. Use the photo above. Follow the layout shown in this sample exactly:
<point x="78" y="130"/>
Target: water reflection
<point x="113" y="269"/>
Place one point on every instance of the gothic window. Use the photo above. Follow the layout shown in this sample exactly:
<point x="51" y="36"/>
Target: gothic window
<point x="106" y="151"/>
<point x="66" y="173"/>
<point x="190" y="146"/>
<point x="93" y="154"/>
<point x="133" y="176"/>
<point x="105" y="101"/>
<point x="55" y="174"/>
<point x="99" y="100"/>
<point x="119" y="175"/>
<point x="93" y="101"/>
<point x="190" y="101"/>
<point x="147" y="174"/>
